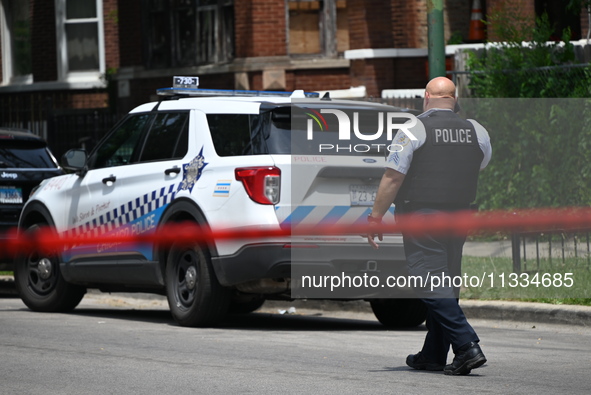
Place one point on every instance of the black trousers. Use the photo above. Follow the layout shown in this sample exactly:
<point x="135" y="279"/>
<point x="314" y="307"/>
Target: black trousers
<point x="437" y="260"/>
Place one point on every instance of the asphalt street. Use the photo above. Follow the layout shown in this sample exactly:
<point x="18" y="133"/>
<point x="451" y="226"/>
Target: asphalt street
<point x="117" y="344"/>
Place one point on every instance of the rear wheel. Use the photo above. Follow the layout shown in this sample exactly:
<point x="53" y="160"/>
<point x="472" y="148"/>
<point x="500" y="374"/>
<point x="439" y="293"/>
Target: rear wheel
<point x="195" y="296"/>
<point x="39" y="281"/>
<point x="399" y="313"/>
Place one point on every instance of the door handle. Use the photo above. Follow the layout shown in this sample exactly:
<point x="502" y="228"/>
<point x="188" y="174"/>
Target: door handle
<point x="175" y="170"/>
<point x="110" y="179"/>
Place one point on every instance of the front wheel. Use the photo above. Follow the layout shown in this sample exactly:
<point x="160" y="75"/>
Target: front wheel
<point x="399" y="313"/>
<point x="195" y="296"/>
<point x="39" y="281"/>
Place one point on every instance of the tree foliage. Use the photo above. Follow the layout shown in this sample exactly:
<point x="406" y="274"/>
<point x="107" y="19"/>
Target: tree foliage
<point x="541" y="146"/>
<point x="524" y="63"/>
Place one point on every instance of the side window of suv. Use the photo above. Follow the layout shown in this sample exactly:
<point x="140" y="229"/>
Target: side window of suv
<point x="119" y="147"/>
<point x="168" y="137"/>
<point x="230" y="133"/>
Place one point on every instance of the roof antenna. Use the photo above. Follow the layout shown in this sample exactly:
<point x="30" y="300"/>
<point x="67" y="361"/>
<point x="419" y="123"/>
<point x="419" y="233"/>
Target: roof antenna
<point x="326" y="97"/>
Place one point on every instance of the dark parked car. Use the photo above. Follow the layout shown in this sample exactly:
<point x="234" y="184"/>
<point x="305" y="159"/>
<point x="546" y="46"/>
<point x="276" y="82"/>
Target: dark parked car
<point x="25" y="161"/>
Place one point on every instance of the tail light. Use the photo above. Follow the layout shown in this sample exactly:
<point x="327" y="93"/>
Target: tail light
<point x="263" y="184"/>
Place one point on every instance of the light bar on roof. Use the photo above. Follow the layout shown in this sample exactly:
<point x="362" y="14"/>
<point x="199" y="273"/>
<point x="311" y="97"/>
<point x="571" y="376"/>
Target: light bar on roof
<point x="188" y="86"/>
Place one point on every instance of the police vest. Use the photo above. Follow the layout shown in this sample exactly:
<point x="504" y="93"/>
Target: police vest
<point x="444" y="170"/>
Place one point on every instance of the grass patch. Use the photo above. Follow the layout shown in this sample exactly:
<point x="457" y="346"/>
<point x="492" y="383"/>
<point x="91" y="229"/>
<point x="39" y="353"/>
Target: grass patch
<point x="5" y="273"/>
<point x="555" y="282"/>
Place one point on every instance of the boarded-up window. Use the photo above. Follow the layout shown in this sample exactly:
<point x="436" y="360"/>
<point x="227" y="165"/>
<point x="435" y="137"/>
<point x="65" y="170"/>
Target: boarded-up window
<point x="318" y="27"/>
<point x="304" y="27"/>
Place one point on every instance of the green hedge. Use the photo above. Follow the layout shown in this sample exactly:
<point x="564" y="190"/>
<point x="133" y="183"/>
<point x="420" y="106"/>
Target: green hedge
<point x="541" y="146"/>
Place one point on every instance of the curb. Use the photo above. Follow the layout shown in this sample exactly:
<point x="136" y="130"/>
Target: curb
<point x="474" y="309"/>
<point x="528" y="312"/>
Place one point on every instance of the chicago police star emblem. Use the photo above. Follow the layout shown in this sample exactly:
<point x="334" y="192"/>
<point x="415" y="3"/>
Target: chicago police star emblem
<point x="192" y="171"/>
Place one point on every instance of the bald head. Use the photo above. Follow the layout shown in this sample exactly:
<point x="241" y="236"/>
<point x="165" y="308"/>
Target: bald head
<point x="440" y="93"/>
<point x="441" y="87"/>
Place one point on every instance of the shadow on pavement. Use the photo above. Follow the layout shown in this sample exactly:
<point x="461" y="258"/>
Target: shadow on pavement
<point x="258" y="321"/>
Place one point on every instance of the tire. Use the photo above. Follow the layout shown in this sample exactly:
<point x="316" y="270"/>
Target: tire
<point x="195" y="296"/>
<point x="39" y="281"/>
<point x="245" y="306"/>
<point x="399" y="313"/>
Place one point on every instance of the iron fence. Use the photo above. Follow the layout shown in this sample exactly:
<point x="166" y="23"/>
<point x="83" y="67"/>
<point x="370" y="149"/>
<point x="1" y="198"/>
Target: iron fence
<point x="412" y="103"/>
<point x="48" y="115"/>
<point x="531" y="251"/>
<point x="82" y="128"/>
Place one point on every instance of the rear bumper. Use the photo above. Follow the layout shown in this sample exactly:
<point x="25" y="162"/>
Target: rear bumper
<point x="263" y="261"/>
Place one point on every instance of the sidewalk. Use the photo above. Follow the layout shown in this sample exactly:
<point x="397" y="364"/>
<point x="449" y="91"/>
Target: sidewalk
<point x="495" y="249"/>
<point x="502" y="249"/>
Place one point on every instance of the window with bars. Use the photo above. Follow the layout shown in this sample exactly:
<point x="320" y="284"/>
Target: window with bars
<point x="183" y="33"/>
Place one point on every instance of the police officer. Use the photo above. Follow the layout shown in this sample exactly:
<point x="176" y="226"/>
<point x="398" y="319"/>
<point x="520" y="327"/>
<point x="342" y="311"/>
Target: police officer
<point x="437" y="170"/>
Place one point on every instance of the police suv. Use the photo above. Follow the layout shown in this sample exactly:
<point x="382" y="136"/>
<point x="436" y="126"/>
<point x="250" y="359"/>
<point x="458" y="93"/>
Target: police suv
<point x="222" y="160"/>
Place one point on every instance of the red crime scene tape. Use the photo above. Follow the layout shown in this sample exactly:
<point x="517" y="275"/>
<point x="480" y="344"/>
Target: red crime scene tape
<point x="441" y="223"/>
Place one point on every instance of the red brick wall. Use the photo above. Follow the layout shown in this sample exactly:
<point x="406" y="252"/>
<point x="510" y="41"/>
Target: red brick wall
<point x="87" y="99"/>
<point x="308" y="80"/>
<point x="111" y="31"/>
<point x="409" y="20"/>
<point x="43" y="41"/>
<point x="584" y="23"/>
<point x="410" y="73"/>
<point x="130" y="33"/>
<point x="260" y="28"/>
<point x="242" y="28"/>
<point x="314" y="80"/>
<point x="374" y="74"/>
<point x="256" y="80"/>
<point x="525" y="8"/>
<point x="370" y="24"/>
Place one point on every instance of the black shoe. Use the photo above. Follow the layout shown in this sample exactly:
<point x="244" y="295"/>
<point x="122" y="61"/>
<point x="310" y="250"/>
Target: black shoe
<point x="466" y="360"/>
<point x="419" y="362"/>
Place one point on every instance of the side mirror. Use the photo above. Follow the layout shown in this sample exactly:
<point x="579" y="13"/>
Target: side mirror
<point x="75" y="160"/>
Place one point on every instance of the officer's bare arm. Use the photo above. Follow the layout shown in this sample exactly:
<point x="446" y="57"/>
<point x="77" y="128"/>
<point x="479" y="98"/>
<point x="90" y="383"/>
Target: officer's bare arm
<point x="389" y="186"/>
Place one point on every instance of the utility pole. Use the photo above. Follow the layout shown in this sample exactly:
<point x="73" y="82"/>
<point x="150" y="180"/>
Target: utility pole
<point x="436" y="41"/>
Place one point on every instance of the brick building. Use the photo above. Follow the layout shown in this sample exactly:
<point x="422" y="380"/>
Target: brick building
<point x="104" y="56"/>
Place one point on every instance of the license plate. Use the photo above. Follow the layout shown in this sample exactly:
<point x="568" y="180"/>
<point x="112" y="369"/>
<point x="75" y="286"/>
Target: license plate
<point x="363" y="195"/>
<point x="11" y="195"/>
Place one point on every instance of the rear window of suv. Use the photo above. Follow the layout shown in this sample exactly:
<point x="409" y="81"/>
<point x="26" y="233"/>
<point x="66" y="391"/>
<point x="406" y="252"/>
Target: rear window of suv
<point x="25" y="154"/>
<point x="281" y="130"/>
<point x="248" y="134"/>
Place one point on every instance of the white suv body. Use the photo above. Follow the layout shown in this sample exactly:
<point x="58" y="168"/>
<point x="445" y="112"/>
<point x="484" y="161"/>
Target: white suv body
<point x="196" y="159"/>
